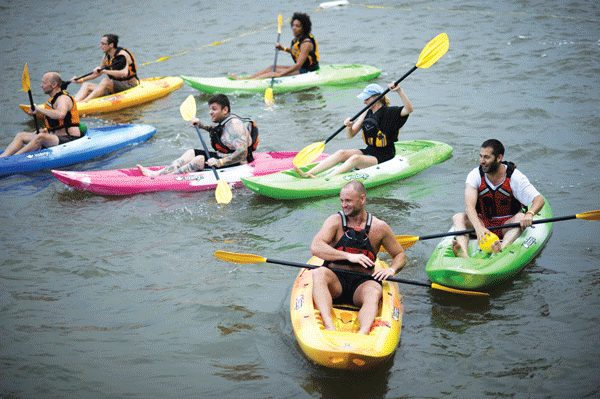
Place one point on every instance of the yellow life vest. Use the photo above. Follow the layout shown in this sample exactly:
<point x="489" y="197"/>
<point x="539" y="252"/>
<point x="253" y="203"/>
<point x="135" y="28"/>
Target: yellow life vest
<point x="312" y="61"/>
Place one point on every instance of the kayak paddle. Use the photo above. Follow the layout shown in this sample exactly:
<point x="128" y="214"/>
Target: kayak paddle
<point x="432" y="52"/>
<point x="188" y="112"/>
<point x="269" y="92"/>
<point x="118" y="62"/>
<point x="27" y="89"/>
<point x="408" y="241"/>
<point x="250" y="258"/>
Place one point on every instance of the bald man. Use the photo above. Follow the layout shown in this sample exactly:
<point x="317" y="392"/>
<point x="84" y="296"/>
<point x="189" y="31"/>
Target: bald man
<point x="61" y="117"/>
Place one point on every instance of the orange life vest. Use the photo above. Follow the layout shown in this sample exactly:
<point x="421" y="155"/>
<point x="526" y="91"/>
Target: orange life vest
<point x="71" y="118"/>
<point x="132" y="67"/>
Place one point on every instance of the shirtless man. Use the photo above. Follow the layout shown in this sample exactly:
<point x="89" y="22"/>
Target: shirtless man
<point x="353" y="248"/>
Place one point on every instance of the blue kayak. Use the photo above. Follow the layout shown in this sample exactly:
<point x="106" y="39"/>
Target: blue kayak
<point x="96" y="142"/>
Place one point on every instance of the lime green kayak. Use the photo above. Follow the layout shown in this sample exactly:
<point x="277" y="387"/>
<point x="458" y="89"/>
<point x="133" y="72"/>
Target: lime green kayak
<point x="326" y="75"/>
<point x="481" y="270"/>
<point x="411" y="157"/>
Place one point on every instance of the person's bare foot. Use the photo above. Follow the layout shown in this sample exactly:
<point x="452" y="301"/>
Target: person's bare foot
<point x="497" y="247"/>
<point x="146" y="172"/>
<point x="232" y="76"/>
<point x="458" y="250"/>
<point x="303" y="174"/>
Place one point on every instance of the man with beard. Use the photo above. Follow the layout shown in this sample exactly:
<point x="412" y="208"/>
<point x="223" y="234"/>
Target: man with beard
<point x="495" y="194"/>
<point x="350" y="240"/>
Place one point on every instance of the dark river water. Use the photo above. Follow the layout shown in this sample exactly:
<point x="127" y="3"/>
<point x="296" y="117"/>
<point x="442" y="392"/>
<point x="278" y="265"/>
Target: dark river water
<point x="106" y="297"/>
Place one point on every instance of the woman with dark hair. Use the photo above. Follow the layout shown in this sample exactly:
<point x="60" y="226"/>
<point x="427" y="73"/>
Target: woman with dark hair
<point x="304" y="51"/>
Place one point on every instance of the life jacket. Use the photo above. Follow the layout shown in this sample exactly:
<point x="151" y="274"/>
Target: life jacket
<point x="312" y="61"/>
<point x="372" y="134"/>
<point x="355" y="241"/>
<point x="216" y="132"/>
<point x="499" y="202"/>
<point x="71" y="118"/>
<point x="132" y="66"/>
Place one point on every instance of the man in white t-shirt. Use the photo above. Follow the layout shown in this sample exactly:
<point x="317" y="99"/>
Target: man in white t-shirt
<point x="495" y="193"/>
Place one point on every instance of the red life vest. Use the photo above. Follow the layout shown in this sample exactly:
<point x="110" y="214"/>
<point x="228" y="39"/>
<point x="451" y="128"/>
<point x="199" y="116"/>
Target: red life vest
<point x="499" y="202"/>
<point x="355" y="241"/>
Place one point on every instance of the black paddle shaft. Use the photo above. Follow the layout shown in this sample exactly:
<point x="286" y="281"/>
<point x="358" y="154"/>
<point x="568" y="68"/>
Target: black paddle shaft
<point x="509" y="225"/>
<point x="307" y="266"/>
<point x="371" y="103"/>
<point x="119" y="62"/>
<point x="206" y="151"/>
<point x="37" y="130"/>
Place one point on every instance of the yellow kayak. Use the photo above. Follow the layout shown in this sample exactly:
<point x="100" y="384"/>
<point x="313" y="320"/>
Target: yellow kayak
<point x="344" y="348"/>
<point x="148" y="90"/>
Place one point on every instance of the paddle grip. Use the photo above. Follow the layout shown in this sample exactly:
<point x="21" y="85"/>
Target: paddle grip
<point x="371" y="103"/>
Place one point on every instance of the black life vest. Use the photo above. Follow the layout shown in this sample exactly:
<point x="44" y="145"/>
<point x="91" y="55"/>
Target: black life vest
<point x="216" y="132"/>
<point x="114" y="64"/>
<point x="71" y="118"/>
<point x="355" y="241"/>
<point x="312" y="60"/>
<point x="499" y="202"/>
<point x="371" y="127"/>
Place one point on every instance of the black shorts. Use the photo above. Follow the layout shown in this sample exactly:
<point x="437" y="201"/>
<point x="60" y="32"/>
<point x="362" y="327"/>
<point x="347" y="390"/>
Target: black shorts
<point x="66" y="138"/>
<point x="381" y="153"/>
<point x="212" y="154"/>
<point x="349" y="282"/>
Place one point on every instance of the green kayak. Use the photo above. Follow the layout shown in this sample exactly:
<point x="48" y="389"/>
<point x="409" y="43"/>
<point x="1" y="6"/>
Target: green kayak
<point x="326" y="75"/>
<point x="411" y="157"/>
<point x="482" y="270"/>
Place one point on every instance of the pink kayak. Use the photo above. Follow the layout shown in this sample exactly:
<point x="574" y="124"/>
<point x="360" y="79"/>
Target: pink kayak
<point x="131" y="181"/>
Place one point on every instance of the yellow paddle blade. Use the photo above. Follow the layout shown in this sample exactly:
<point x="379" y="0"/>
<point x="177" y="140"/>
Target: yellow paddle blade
<point x="404" y="241"/>
<point x="25" y="79"/>
<point x="188" y="108"/>
<point x="407" y="241"/>
<point x="455" y="291"/>
<point x="223" y="193"/>
<point x="279" y="23"/>
<point x="234" y="257"/>
<point x="309" y="154"/>
<point x="591" y="215"/>
<point x="434" y="50"/>
<point x="269" y="100"/>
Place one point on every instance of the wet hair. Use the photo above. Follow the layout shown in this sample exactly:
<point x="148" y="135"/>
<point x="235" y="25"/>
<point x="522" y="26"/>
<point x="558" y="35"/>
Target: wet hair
<point x="220" y="99"/>
<point x="356" y="186"/>
<point x="114" y="39"/>
<point x="304" y="21"/>
<point x="495" y="145"/>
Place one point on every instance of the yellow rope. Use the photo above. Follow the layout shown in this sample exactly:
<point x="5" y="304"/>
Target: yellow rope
<point x="381" y="8"/>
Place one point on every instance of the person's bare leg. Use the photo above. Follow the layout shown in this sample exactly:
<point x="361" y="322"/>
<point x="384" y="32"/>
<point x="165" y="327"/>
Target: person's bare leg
<point x="324" y="281"/>
<point x="460" y="244"/>
<point x="367" y="296"/>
